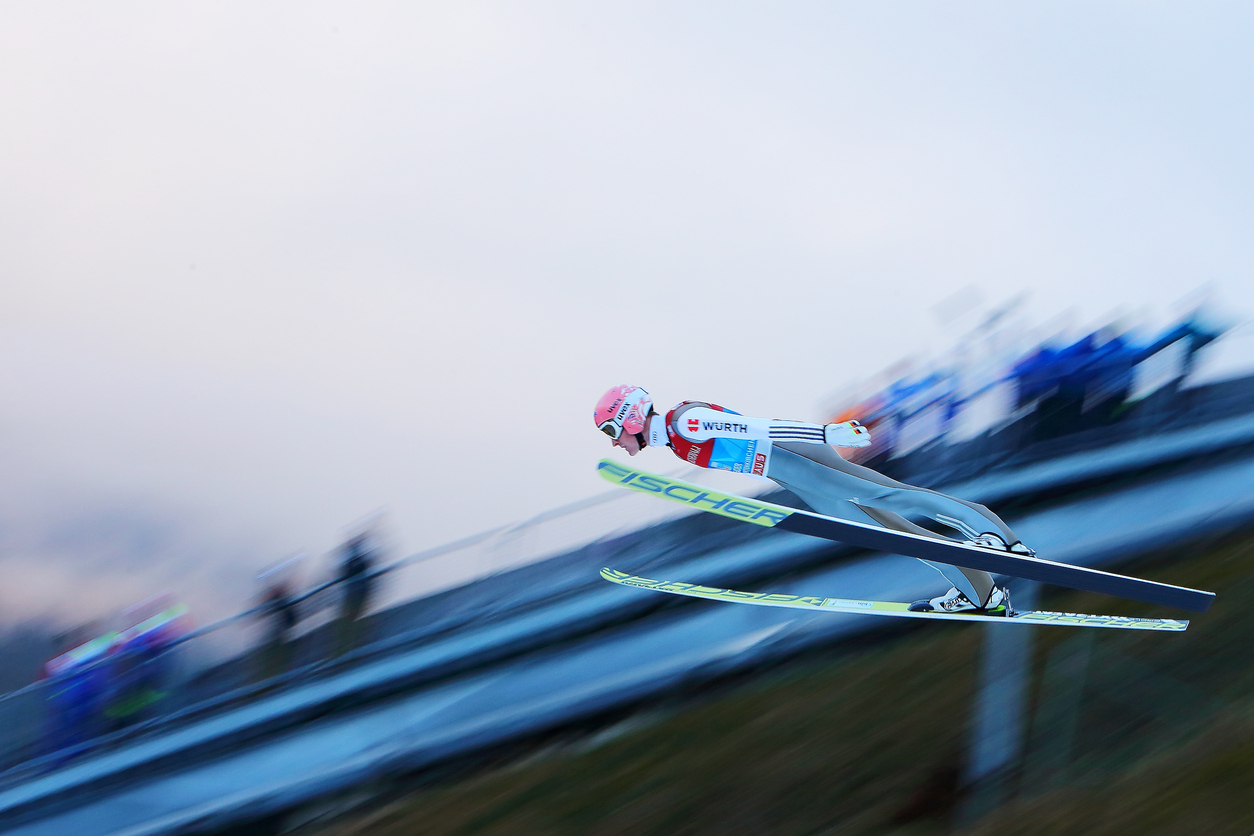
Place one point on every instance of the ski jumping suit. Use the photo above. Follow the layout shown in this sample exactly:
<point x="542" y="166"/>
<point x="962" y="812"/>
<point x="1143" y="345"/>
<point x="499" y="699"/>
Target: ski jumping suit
<point x="795" y="455"/>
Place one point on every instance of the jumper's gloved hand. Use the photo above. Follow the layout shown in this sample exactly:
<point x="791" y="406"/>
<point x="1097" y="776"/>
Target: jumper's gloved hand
<point x="848" y="434"/>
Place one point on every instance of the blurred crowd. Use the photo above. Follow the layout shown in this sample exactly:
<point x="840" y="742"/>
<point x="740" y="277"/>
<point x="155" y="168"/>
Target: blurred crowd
<point x="997" y="376"/>
<point x="105" y="679"/>
<point x="105" y="682"/>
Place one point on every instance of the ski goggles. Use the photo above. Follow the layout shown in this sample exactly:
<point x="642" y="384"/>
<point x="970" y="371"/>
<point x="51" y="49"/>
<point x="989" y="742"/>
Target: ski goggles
<point x="611" y="428"/>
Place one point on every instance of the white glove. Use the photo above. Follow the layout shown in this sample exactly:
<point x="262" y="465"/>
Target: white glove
<point x="848" y="434"/>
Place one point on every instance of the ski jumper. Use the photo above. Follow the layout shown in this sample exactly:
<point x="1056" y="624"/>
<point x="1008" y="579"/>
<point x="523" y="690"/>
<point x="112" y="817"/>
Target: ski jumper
<point x="795" y="455"/>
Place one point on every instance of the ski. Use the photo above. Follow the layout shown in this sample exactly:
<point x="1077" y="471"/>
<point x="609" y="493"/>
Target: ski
<point x="938" y="549"/>
<point x="890" y="608"/>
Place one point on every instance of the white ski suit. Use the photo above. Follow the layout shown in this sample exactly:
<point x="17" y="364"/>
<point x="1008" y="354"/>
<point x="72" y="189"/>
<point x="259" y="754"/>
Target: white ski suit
<point x="796" y="455"/>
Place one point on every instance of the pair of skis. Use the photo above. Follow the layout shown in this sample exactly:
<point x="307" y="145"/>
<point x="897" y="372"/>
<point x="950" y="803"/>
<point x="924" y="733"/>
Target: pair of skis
<point x="766" y="514"/>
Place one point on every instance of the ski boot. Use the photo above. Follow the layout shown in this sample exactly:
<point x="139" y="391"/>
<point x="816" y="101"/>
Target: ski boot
<point x="955" y="601"/>
<point x="989" y="540"/>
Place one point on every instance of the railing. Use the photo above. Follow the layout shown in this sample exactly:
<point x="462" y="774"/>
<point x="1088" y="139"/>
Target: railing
<point x="420" y="596"/>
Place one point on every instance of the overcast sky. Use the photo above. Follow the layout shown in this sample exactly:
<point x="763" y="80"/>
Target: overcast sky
<point x="267" y="267"/>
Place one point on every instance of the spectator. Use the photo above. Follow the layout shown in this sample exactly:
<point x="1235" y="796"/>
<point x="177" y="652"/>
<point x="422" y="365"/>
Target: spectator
<point x="356" y="582"/>
<point x="143" y="665"/>
<point x="278" y="610"/>
<point x="77" y="679"/>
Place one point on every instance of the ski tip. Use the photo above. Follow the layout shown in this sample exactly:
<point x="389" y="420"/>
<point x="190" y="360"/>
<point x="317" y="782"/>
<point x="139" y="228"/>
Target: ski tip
<point x="614" y="576"/>
<point x="609" y="469"/>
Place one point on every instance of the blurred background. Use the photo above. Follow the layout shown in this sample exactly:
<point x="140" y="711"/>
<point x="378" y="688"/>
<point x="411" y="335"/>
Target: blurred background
<point x="304" y="309"/>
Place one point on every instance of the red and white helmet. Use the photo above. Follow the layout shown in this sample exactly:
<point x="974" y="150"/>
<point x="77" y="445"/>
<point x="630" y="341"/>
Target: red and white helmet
<point x="623" y="408"/>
